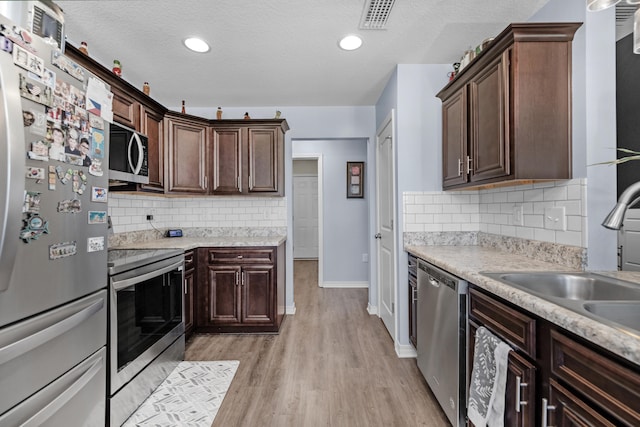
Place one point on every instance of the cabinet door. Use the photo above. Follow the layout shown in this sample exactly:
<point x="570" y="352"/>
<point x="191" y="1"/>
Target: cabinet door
<point x="226" y="160"/>
<point x="454" y="139"/>
<point x="189" y="300"/>
<point x="153" y="127"/>
<point x="264" y="157"/>
<point x="520" y="396"/>
<point x="413" y="311"/>
<point x="489" y="134"/>
<point x="567" y="410"/>
<point x="126" y="110"/>
<point x="187" y="143"/>
<point x="258" y="294"/>
<point x="223" y="295"/>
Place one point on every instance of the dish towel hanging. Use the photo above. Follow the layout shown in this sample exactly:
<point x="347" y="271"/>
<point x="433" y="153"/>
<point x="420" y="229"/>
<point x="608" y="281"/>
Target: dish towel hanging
<point x="488" y="380"/>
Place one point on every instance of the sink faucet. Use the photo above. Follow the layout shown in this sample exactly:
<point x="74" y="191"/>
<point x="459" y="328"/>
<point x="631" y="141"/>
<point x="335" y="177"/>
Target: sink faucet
<point x="628" y="198"/>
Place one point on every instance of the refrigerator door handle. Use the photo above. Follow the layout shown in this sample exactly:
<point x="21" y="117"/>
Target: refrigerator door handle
<point x="136" y="168"/>
<point x="52" y="407"/>
<point x="12" y="154"/>
<point x="20" y="347"/>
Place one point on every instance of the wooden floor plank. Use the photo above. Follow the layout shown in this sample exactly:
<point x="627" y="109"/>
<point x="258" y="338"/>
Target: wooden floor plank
<point x="332" y="364"/>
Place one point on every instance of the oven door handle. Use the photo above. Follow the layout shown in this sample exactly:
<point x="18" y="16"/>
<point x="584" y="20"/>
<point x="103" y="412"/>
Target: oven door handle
<point x="121" y="284"/>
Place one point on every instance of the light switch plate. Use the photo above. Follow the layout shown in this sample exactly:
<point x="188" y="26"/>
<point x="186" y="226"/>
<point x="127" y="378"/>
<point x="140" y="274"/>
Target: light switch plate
<point x="555" y="218"/>
<point x="517" y="215"/>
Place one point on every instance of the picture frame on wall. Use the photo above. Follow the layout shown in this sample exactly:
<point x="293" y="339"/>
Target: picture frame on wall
<point x="355" y="180"/>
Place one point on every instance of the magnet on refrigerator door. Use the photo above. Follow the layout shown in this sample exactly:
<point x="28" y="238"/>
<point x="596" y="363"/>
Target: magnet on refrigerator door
<point x="34" y="226"/>
<point x="70" y="206"/>
<point x="62" y="250"/>
<point x="95" y="244"/>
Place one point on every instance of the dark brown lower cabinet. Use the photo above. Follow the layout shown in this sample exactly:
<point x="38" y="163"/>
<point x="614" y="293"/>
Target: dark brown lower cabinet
<point x="555" y="378"/>
<point x="241" y="289"/>
<point x="564" y="409"/>
<point x="520" y="393"/>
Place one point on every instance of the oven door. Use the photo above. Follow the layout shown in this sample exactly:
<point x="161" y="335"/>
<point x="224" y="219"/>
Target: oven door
<point x="146" y="316"/>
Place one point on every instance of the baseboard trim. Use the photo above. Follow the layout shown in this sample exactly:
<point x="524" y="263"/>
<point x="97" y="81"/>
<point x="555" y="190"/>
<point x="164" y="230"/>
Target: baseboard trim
<point x="290" y="309"/>
<point x="346" y="285"/>
<point x="405" y="351"/>
<point x="372" y="309"/>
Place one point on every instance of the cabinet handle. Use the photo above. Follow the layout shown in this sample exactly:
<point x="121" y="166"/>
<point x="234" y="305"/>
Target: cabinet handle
<point x="205" y="182"/>
<point x="469" y="170"/>
<point x="545" y="410"/>
<point x="239" y="184"/>
<point x="519" y="385"/>
<point x="239" y="256"/>
<point x="237" y="278"/>
<point x="415" y="295"/>
<point x="459" y="167"/>
<point x="243" y="278"/>
<point x="250" y="184"/>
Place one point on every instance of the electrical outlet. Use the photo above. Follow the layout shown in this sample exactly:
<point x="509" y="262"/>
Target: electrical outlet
<point x="517" y="215"/>
<point x="555" y="218"/>
<point x="149" y="217"/>
<point x="365" y="257"/>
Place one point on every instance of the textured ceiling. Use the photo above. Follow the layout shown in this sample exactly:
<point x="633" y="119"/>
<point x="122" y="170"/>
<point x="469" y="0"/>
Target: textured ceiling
<point x="279" y="52"/>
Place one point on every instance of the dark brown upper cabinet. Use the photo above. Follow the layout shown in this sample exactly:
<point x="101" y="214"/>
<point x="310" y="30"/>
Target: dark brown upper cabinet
<point x="506" y="117"/>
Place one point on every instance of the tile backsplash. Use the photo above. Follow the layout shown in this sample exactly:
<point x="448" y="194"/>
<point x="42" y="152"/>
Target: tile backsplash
<point x="495" y="211"/>
<point x="129" y="212"/>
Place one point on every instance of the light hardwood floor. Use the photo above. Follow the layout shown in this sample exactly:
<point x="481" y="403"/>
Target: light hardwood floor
<point x="332" y="364"/>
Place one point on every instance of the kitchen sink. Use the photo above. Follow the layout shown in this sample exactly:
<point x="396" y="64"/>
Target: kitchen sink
<point x="571" y="286"/>
<point x="623" y="313"/>
<point x="605" y="299"/>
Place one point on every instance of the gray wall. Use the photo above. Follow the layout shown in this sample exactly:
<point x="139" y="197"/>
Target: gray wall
<point x="345" y="221"/>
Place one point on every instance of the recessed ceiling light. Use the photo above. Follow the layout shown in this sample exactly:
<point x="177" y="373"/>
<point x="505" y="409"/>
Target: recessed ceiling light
<point x="351" y="42"/>
<point x="197" y="45"/>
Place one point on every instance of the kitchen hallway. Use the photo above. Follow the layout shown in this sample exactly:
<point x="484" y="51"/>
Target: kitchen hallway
<point x="332" y="364"/>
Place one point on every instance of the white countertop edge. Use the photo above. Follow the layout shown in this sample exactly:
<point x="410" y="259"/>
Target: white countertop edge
<point x="617" y="341"/>
<point x="188" y="243"/>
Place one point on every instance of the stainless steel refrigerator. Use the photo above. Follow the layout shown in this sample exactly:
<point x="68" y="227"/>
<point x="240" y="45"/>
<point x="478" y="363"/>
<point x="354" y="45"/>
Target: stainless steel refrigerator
<point x="53" y="227"/>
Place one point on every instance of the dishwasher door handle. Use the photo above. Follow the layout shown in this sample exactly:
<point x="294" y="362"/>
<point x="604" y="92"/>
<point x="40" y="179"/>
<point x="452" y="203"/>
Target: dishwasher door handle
<point x="433" y="282"/>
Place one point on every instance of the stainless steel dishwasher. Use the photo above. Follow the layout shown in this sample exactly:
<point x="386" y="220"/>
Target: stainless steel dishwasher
<point x="442" y="338"/>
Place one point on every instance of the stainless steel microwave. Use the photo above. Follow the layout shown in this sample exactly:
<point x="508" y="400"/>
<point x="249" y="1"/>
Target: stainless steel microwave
<point x="128" y="155"/>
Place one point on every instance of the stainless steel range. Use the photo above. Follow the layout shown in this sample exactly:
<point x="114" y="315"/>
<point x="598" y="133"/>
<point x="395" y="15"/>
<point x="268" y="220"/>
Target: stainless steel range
<point x="146" y="325"/>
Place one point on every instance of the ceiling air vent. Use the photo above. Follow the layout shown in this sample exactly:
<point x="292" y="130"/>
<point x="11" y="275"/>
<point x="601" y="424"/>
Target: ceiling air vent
<point x="375" y="14"/>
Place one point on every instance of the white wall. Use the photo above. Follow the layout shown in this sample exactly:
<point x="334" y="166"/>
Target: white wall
<point x="129" y="212"/>
<point x="345" y="221"/>
<point x="491" y="211"/>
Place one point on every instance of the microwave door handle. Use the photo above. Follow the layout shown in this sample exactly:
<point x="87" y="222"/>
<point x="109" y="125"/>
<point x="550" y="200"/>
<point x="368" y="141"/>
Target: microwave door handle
<point x="12" y="180"/>
<point x="136" y="168"/>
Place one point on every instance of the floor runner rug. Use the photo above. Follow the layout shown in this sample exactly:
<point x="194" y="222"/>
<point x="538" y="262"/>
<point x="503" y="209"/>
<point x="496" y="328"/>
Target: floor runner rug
<point x="190" y="396"/>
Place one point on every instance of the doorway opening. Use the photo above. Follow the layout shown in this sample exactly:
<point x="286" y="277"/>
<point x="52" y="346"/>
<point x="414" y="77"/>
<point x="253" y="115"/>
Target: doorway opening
<point x="307" y="209"/>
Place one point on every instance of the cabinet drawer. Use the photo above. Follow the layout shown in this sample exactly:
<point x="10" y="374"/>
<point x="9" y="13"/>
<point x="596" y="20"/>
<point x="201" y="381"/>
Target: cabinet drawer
<point x="608" y="383"/>
<point x="237" y="256"/>
<point x="517" y="328"/>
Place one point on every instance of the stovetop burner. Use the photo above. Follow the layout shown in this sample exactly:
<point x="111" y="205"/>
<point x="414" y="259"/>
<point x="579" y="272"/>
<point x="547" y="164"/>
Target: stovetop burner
<point x="119" y="260"/>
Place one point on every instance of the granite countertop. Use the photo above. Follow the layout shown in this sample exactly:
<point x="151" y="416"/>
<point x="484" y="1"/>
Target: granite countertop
<point x="467" y="262"/>
<point x="188" y="243"/>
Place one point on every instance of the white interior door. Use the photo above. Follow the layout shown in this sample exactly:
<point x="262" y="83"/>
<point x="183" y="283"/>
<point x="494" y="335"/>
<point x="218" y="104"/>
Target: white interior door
<point x="305" y="217"/>
<point x="385" y="227"/>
